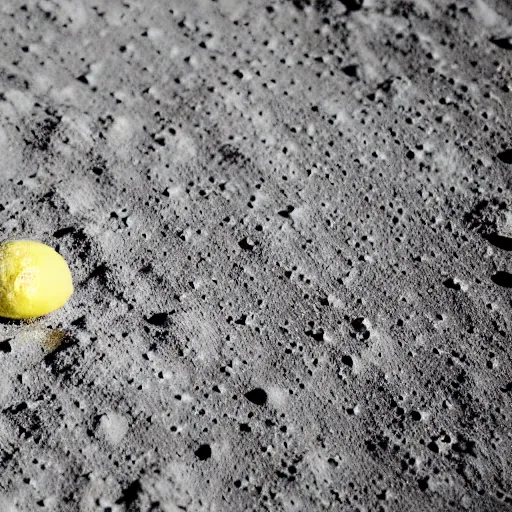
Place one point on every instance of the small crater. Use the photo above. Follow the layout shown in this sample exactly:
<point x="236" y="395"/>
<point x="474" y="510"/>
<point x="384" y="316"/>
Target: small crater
<point x="433" y="447"/>
<point x="257" y="396"/>
<point x="415" y="415"/>
<point x="204" y="452"/>
<point x="348" y="361"/>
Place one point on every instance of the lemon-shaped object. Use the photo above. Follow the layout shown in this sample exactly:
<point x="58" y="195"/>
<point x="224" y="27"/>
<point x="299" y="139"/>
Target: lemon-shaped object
<point x="34" y="279"/>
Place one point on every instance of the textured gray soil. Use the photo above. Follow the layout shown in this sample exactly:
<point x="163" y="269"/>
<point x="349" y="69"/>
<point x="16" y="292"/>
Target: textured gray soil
<point x="288" y="223"/>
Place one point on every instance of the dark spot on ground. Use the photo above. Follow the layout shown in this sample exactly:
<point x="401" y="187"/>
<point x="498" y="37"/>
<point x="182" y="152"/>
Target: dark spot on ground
<point x="286" y="213"/>
<point x="79" y="322"/>
<point x="63" y="232"/>
<point x="158" y="319"/>
<point x="100" y="273"/>
<point x="502" y="279"/>
<point x="246" y="244"/>
<point x="130" y="495"/>
<point x="506" y="156"/>
<point x="67" y="342"/>
<point x="360" y="329"/>
<point x="257" y="396"/>
<point x="423" y="483"/>
<point x="5" y="346"/>
<point x="351" y="70"/>
<point x="348" y="361"/>
<point x="450" y="283"/>
<point x="41" y="135"/>
<point x="352" y="5"/>
<point x="507" y="388"/>
<point x="204" y="452"/>
<point x="501" y="242"/>
<point x="502" y="42"/>
<point x="15" y="409"/>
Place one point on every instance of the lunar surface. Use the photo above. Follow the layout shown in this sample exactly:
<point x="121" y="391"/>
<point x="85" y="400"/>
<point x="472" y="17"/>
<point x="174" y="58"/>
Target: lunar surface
<point x="289" y="225"/>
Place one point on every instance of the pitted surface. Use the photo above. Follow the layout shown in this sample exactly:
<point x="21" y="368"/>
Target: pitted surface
<point x="288" y="224"/>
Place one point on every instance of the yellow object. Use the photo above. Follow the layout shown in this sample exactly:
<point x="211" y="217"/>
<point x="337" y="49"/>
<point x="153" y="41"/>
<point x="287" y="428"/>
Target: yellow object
<point x="34" y="279"/>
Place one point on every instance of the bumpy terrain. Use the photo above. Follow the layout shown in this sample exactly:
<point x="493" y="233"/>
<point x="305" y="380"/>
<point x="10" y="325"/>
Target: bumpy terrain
<point x="289" y="227"/>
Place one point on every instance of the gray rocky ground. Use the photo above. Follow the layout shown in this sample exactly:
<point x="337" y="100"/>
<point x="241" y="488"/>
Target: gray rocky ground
<point x="288" y="223"/>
